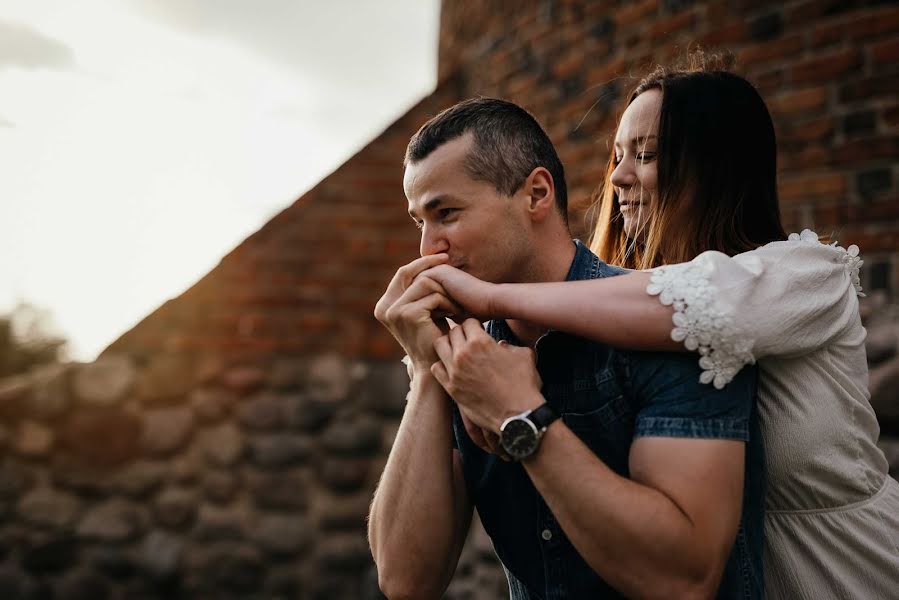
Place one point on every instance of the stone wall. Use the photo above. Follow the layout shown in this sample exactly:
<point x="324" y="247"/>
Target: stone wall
<point x="193" y="478"/>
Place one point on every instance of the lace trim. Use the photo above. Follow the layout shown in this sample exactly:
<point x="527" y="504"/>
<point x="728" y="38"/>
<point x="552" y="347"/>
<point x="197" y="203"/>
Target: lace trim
<point x="852" y="262"/>
<point x="700" y="323"/>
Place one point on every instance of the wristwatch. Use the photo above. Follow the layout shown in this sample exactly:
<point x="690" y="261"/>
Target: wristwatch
<point x="520" y="435"/>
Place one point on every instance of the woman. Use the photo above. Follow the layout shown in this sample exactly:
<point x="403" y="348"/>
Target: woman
<point x="693" y="176"/>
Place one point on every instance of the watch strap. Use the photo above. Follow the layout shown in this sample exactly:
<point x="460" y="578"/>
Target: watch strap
<point x="543" y="415"/>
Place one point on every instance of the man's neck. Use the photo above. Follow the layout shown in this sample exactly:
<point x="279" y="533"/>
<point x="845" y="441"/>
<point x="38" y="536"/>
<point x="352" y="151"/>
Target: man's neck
<point x="551" y="266"/>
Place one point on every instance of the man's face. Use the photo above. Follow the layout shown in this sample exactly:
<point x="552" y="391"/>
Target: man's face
<point x="484" y="232"/>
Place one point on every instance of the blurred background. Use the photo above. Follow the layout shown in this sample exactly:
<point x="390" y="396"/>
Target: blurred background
<point x="201" y="202"/>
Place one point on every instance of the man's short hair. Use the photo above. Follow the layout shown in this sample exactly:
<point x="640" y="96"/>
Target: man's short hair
<point x="508" y="144"/>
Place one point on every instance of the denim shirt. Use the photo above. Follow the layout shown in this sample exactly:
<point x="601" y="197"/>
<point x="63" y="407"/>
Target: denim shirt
<point x="608" y="397"/>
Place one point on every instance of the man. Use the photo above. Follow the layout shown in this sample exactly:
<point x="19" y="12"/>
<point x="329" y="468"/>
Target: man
<point x="628" y="477"/>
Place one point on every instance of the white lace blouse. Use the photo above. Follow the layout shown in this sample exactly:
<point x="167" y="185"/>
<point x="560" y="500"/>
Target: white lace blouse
<point x="832" y="523"/>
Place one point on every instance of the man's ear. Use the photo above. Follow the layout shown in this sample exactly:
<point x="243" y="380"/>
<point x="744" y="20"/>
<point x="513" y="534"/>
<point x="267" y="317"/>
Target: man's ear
<point x="541" y="193"/>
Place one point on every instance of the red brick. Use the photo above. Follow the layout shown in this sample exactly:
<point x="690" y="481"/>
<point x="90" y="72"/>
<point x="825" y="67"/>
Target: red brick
<point x="725" y="35"/>
<point x="886" y="53"/>
<point x="864" y="150"/>
<point x="827" y="67"/>
<point x="869" y="87"/>
<point x="871" y="240"/>
<point x="631" y="12"/>
<point x="814" y="130"/>
<point x="803" y="101"/>
<point x="801" y="14"/>
<point x="665" y="27"/>
<point x="874" y="24"/>
<point x="891" y="115"/>
<point x="783" y="48"/>
<point x="818" y="185"/>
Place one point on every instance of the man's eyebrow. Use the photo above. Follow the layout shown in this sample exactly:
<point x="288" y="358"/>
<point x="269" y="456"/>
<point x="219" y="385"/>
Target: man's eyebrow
<point x="431" y="204"/>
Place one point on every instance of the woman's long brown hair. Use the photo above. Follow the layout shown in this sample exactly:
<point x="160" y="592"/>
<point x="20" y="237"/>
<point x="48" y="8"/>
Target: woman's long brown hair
<point x="717" y="172"/>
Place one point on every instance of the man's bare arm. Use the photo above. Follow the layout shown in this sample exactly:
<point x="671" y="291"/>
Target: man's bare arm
<point x="420" y="512"/>
<point x="665" y="533"/>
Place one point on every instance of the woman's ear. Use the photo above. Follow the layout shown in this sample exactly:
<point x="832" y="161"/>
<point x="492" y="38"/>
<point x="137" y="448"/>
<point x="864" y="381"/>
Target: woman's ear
<point x="541" y="193"/>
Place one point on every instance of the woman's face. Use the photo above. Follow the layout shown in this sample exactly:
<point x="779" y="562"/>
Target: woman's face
<point x="635" y="175"/>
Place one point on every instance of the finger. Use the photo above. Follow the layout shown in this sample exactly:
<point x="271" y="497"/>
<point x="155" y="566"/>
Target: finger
<point x="407" y="273"/>
<point x="423" y="287"/>
<point x="440" y="374"/>
<point x="444" y="351"/>
<point x="491" y="439"/>
<point x="420" y="298"/>
<point x="457" y="338"/>
<point x="473" y="329"/>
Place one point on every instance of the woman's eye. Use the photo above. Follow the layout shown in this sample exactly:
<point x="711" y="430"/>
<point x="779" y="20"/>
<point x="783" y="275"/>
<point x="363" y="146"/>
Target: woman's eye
<point x="645" y="156"/>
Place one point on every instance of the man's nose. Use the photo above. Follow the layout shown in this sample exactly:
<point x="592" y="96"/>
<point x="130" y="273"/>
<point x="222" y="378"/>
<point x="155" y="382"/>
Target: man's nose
<point x="432" y="241"/>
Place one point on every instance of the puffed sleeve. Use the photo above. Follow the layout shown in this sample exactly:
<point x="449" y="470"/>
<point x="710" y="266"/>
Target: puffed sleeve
<point x="783" y="299"/>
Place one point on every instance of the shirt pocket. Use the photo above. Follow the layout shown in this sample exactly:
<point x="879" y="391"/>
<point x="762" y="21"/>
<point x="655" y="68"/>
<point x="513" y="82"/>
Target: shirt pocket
<point x="606" y="430"/>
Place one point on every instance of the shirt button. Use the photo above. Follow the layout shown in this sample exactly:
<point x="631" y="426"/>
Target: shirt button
<point x="547" y="535"/>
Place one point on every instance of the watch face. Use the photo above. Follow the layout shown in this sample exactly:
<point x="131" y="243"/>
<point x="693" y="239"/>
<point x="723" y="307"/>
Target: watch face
<point x="519" y="438"/>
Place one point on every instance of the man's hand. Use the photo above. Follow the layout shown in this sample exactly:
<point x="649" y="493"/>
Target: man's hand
<point x="473" y="295"/>
<point x="489" y="381"/>
<point x="414" y="310"/>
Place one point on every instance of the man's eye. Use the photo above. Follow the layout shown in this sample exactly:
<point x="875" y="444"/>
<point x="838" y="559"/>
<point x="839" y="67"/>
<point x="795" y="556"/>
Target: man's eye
<point x="446" y="212"/>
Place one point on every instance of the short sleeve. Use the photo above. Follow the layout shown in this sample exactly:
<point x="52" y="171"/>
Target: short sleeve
<point x="674" y="403"/>
<point x="784" y="299"/>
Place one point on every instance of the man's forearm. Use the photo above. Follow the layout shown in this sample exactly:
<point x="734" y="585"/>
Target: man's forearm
<point x="634" y="536"/>
<point x="612" y="310"/>
<point x="420" y="514"/>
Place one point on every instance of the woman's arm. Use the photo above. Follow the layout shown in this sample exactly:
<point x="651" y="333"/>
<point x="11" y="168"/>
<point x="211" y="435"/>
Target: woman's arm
<point x="614" y="310"/>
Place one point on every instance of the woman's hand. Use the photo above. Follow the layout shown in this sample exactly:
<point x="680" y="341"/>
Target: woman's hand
<point x="474" y="296"/>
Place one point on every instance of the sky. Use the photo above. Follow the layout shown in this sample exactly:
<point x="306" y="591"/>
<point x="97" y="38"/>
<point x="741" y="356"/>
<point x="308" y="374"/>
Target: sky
<point x="142" y="140"/>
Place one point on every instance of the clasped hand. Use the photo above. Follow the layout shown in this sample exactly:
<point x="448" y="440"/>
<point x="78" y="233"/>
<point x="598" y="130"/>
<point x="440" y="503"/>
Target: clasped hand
<point x="489" y="381"/>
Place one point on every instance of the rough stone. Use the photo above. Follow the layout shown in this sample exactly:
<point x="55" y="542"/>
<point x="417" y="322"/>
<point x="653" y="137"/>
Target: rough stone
<point x="14" y="481"/>
<point x="140" y="479"/>
<point x="13" y="395"/>
<point x="33" y="440"/>
<point x="50" y="554"/>
<point x="217" y="523"/>
<point x="43" y="506"/>
<point x="103" y="438"/>
<point x="358" y="437"/>
<point x="881" y="342"/>
<point x="104" y="382"/>
<point x="222" y="445"/>
<point x="73" y="474"/>
<point x="13" y="583"/>
<point x="219" y="486"/>
<point x="344" y="513"/>
<point x="283" y="581"/>
<point x="175" y="507"/>
<point x="343" y="474"/>
<point x="113" y="521"/>
<point x="212" y="404"/>
<point x="278" y="491"/>
<point x="384" y="389"/>
<point x="263" y="412"/>
<point x="283" y="534"/>
<point x="883" y="382"/>
<point x="345" y="552"/>
<point x="112" y="560"/>
<point x="308" y="412"/>
<point x="186" y="467"/>
<point x="160" y="555"/>
<point x="235" y="568"/>
<point x="288" y="374"/>
<point x="329" y="377"/>
<point x="82" y="585"/>
<point x="244" y="379"/>
<point x="49" y="392"/>
<point x="278" y="450"/>
<point x="168" y="377"/>
<point x="167" y="430"/>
